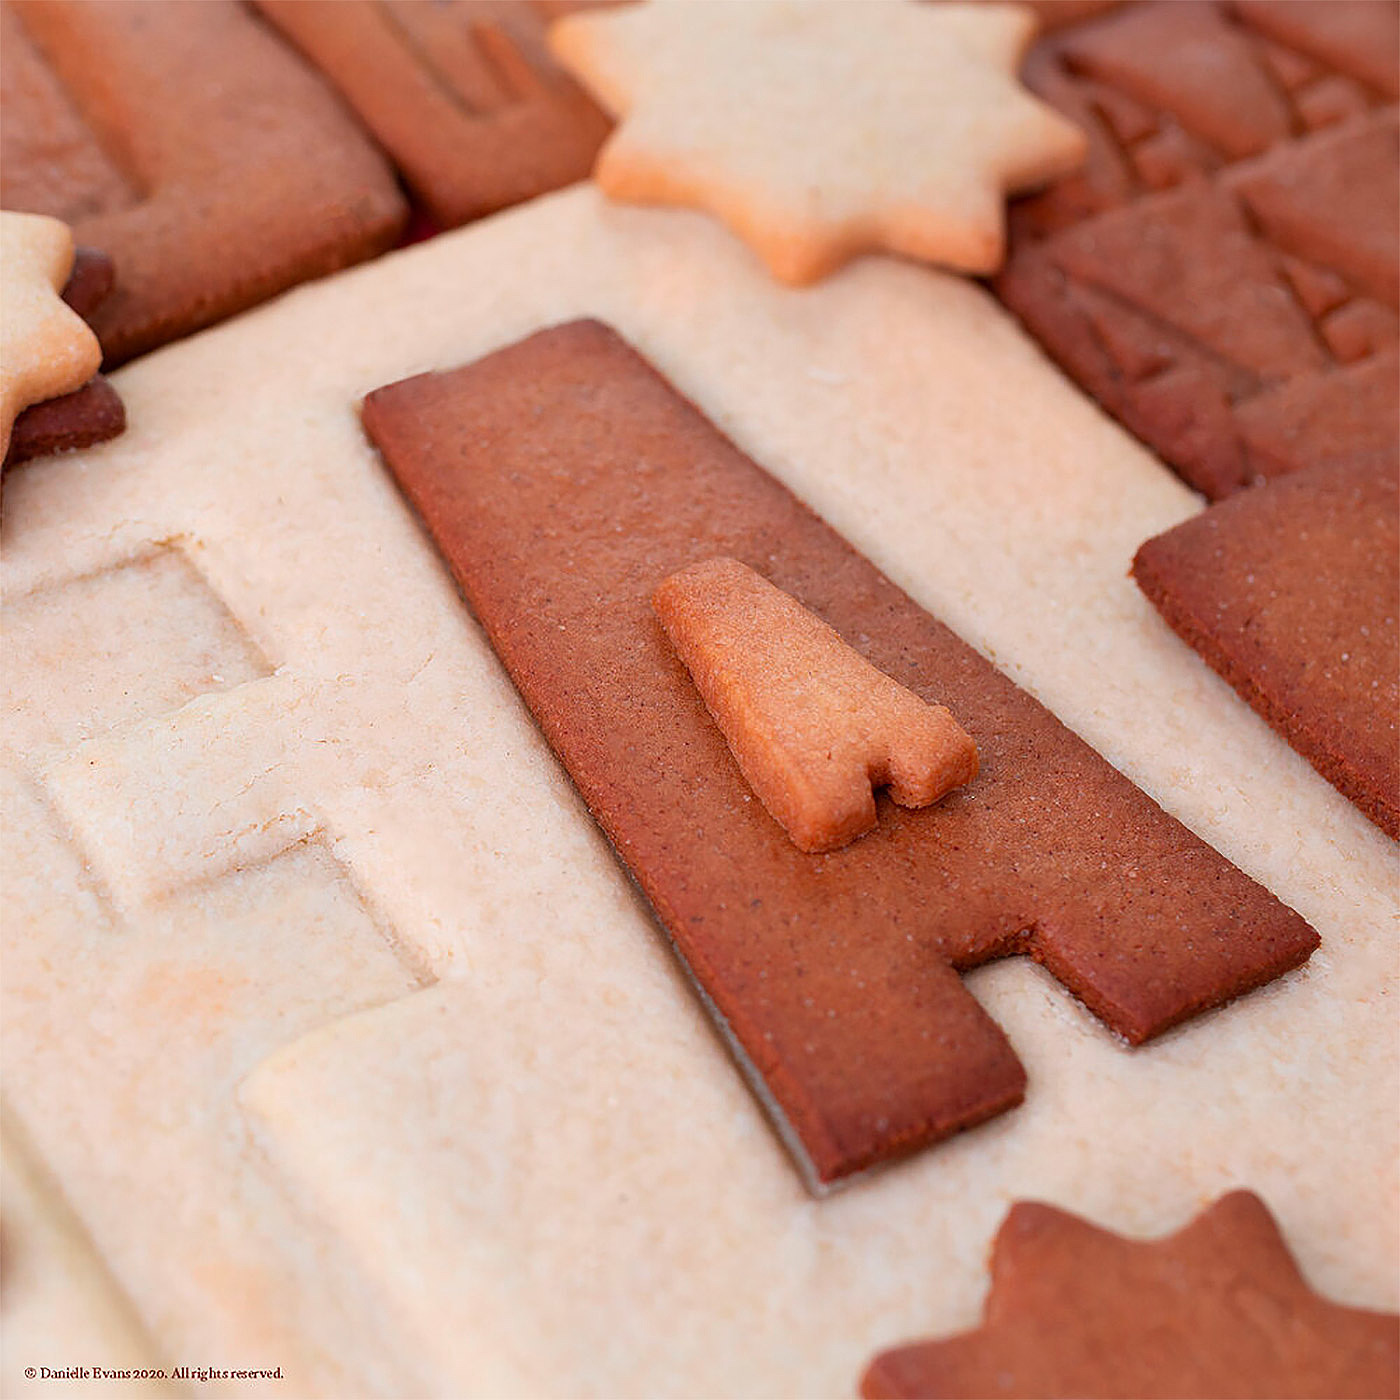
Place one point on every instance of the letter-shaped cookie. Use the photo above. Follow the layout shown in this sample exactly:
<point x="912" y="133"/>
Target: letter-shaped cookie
<point x="564" y="480"/>
<point x="810" y="722"/>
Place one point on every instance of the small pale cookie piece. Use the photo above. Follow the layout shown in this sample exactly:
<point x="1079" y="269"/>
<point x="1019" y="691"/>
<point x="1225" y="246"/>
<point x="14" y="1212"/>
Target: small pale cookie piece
<point x="46" y="348"/>
<point x="812" y="724"/>
<point x="820" y="129"/>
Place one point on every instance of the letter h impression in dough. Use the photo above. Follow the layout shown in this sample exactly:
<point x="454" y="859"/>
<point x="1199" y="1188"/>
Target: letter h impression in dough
<point x="563" y="479"/>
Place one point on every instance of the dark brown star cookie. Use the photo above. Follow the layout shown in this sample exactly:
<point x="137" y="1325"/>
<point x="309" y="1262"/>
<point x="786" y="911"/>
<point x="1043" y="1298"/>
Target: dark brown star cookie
<point x="1217" y="1309"/>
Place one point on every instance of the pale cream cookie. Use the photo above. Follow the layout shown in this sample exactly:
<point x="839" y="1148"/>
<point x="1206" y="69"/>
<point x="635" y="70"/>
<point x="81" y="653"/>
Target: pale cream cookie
<point x="328" y="1009"/>
<point x="46" y="348"/>
<point x="818" y="131"/>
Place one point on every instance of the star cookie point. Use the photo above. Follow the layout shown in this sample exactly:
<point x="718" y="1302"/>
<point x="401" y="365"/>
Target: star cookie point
<point x="46" y="349"/>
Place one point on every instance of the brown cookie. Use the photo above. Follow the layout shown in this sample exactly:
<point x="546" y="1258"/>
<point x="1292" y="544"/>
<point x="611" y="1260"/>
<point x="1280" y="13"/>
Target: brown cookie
<point x="564" y="479"/>
<point x="1291" y="592"/>
<point x="89" y="415"/>
<point x="1217" y="1309"/>
<point x="91" y="281"/>
<point x="195" y="148"/>
<point x="1230" y="250"/>
<point x="813" y="726"/>
<point x="463" y="95"/>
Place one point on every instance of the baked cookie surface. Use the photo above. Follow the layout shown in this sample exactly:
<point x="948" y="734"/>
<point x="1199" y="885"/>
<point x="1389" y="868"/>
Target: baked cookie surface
<point x="300" y="888"/>
<point x="195" y="148"/>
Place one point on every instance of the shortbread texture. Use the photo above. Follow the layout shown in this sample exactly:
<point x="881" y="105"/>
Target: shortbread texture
<point x="334" y="1017"/>
<point x="46" y="349"/>
<point x="810" y="722"/>
<point x="820" y="129"/>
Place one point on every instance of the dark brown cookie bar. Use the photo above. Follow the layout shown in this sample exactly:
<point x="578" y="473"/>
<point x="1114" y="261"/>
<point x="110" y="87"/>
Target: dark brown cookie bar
<point x="192" y="145"/>
<point x="463" y="94"/>
<point x="1228" y="257"/>
<point x="1291" y="592"/>
<point x="564" y="479"/>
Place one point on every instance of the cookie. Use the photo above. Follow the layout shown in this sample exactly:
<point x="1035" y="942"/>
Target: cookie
<point x="45" y="348"/>
<point x="793" y="123"/>
<point x="564" y="481"/>
<point x="812" y="725"/>
<point x="192" y="146"/>
<point x="1218" y="1308"/>
<point x="465" y="96"/>
<point x="88" y="415"/>
<point x="56" y="1299"/>
<point x="90" y="281"/>
<point x="1291" y="592"/>
<point x="326" y="1006"/>
<point x="1229" y="253"/>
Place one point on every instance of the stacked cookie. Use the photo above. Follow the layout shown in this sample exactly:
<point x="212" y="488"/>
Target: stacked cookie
<point x="342" y="1054"/>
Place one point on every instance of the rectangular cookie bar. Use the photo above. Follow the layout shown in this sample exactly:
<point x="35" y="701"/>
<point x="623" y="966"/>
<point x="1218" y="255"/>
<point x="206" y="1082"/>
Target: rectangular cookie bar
<point x="564" y="479"/>
<point x="191" y="145"/>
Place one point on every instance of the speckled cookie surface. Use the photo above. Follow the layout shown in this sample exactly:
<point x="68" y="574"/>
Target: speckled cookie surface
<point x="1292" y="593"/>
<point x="317" y="972"/>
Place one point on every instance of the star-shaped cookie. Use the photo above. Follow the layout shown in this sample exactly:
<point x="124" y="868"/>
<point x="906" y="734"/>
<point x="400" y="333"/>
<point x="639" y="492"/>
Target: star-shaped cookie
<point x="1217" y="1309"/>
<point x="46" y="348"/>
<point x="820" y="129"/>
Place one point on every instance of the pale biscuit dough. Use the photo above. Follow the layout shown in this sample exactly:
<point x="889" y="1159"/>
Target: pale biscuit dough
<point x="57" y="1305"/>
<point x="46" y="348"/>
<point x="334" y="1017"/>
<point x="819" y="129"/>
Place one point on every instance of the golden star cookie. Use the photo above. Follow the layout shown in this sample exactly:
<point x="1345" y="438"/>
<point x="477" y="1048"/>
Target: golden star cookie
<point x="46" y="348"/>
<point x="818" y="131"/>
